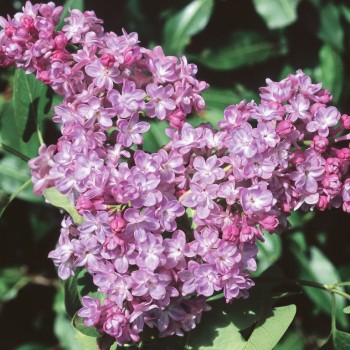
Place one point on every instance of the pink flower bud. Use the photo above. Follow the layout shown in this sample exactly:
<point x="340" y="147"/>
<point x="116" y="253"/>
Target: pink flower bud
<point x="297" y="157"/>
<point x="27" y="21"/>
<point x="285" y="127"/>
<point x="332" y="184"/>
<point x="60" y="41"/>
<point x="230" y="233"/>
<point x="83" y="203"/>
<point x="324" y="96"/>
<point x="118" y="224"/>
<point x="107" y="60"/>
<point x="269" y="223"/>
<point x="345" y="119"/>
<point x="323" y="203"/>
<point x="342" y="154"/>
<point x="332" y="166"/>
<point x="319" y="143"/>
<point x="129" y="58"/>
<point x="177" y="119"/>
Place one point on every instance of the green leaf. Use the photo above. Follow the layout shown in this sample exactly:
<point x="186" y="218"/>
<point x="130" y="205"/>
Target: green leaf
<point x="277" y="13"/>
<point x="341" y="340"/>
<point x="231" y="319"/>
<point x="155" y="138"/>
<point x="179" y="28"/>
<point x="269" y="252"/>
<point x="60" y="200"/>
<point x="331" y="30"/>
<point x="86" y="286"/>
<point x="71" y="296"/>
<point x="331" y="71"/>
<point x="11" y="136"/>
<point x="13" y="174"/>
<point x="270" y="330"/>
<point x="31" y="346"/>
<point x="70" y="5"/>
<point x="78" y="323"/>
<point x="12" y="279"/>
<point x="31" y="103"/>
<point x="317" y="268"/>
<point x="244" y="49"/>
<point x="68" y="336"/>
<point x="292" y="339"/>
<point x="346" y="310"/>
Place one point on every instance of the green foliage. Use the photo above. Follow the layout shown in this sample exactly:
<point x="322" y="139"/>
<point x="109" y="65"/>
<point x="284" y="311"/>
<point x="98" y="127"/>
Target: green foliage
<point x="243" y="48"/>
<point x="277" y="13"/>
<point x="179" y="28"/>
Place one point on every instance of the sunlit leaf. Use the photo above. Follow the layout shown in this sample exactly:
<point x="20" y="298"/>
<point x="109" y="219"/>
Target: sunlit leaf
<point x="180" y="27"/>
<point x="277" y="13"/>
<point x="292" y="339"/>
<point x="78" y="323"/>
<point x="244" y="49"/>
<point x="54" y="197"/>
<point x="346" y="310"/>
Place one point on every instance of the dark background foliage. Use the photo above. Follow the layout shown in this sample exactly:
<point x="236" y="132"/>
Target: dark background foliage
<point x="235" y="52"/>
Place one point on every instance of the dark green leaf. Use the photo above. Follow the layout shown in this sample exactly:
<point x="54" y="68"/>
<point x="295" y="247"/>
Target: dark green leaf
<point x="68" y="336"/>
<point x="231" y="319"/>
<point x="331" y="71"/>
<point x="345" y="11"/>
<point x="12" y="279"/>
<point x="277" y="13"/>
<point x="70" y="5"/>
<point x="86" y="286"/>
<point x="331" y="30"/>
<point x="180" y="27"/>
<point x="62" y="201"/>
<point x="245" y="48"/>
<point x="155" y="138"/>
<point x="341" y="340"/>
<point x="292" y="339"/>
<point x="269" y="252"/>
<point x="317" y="268"/>
<point x="31" y="103"/>
<point x="31" y="346"/>
<point x="11" y="135"/>
<point x="71" y="296"/>
<point x="78" y="323"/>
<point x="13" y="174"/>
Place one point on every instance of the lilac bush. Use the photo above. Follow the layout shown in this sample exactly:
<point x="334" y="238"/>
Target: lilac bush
<point x="161" y="232"/>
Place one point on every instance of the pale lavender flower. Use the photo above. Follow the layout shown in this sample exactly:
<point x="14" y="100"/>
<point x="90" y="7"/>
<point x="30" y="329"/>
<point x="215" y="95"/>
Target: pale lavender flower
<point x="130" y="130"/>
<point x="160" y="104"/>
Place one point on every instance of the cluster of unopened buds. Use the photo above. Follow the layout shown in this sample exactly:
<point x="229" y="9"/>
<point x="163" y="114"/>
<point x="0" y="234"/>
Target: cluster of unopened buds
<point x="163" y="231"/>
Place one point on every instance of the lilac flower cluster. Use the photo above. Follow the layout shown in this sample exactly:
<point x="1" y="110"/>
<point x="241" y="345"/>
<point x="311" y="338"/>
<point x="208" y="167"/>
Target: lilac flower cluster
<point x="163" y="231"/>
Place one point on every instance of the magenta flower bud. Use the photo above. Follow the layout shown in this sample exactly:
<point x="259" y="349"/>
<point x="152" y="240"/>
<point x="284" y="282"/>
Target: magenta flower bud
<point x="285" y="127"/>
<point x="230" y="233"/>
<point x="345" y="121"/>
<point x="333" y="165"/>
<point x="269" y="223"/>
<point x="83" y="204"/>
<point x="323" y="203"/>
<point x="324" y="96"/>
<point x="319" y="143"/>
<point x="177" y="119"/>
<point x="332" y="184"/>
<point x="342" y="154"/>
<point x="27" y="22"/>
<point x="129" y="58"/>
<point x="107" y="60"/>
<point x="9" y="31"/>
<point x="297" y="157"/>
<point x="118" y="224"/>
<point x="60" y="41"/>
